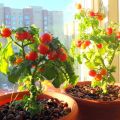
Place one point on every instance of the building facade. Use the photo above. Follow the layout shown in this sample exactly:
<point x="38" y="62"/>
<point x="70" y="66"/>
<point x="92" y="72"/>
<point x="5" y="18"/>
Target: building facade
<point x="47" y="21"/>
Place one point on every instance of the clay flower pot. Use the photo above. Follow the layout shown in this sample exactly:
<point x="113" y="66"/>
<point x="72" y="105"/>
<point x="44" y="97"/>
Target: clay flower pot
<point x="97" y="110"/>
<point x="71" y="103"/>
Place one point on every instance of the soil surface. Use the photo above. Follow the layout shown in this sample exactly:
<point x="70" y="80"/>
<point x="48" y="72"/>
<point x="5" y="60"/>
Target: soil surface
<point x="53" y="109"/>
<point x="87" y="92"/>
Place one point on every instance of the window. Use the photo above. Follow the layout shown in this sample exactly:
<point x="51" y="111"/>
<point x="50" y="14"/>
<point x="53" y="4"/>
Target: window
<point x="45" y="27"/>
<point x="27" y="17"/>
<point x="45" y="22"/>
<point x="14" y="22"/>
<point x="45" y="18"/>
<point x="7" y="16"/>
<point x="27" y="22"/>
<point x="13" y="18"/>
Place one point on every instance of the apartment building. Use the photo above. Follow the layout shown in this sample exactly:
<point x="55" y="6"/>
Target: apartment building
<point x="47" y="21"/>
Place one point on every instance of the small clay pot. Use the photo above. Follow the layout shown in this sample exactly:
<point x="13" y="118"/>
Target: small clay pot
<point x="71" y="103"/>
<point x="96" y="110"/>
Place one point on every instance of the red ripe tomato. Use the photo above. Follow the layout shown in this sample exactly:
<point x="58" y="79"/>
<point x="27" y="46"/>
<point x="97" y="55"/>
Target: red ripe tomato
<point x="61" y="50"/>
<point x="43" y="49"/>
<point x="6" y="32"/>
<point x="19" y="36"/>
<point x="46" y="38"/>
<point x="52" y="55"/>
<point x="91" y="14"/>
<point x="92" y="73"/>
<point x="29" y="36"/>
<point x="99" y="45"/>
<point x="100" y="17"/>
<point x="27" y="57"/>
<point x="19" y="60"/>
<point x="78" y="6"/>
<point x="62" y="57"/>
<point x="83" y="46"/>
<point x="103" y="71"/>
<point x="26" y="35"/>
<point x="118" y="35"/>
<point x="87" y="43"/>
<point x="32" y="56"/>
<point x="79" y="43"/>
<point x="109" y="31"/>
<point x="98" y="77"/>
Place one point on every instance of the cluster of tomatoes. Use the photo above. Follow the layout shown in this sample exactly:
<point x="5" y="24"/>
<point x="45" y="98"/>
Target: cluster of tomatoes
<point x="43" y="47"/>
<point x="99" y="16"/>
<point x="110" y="31"/>
<point x="20" y="36"/>
<point x="24" y="35"/>
<point x="98" y="75"/>
<point x="84" y="44"/>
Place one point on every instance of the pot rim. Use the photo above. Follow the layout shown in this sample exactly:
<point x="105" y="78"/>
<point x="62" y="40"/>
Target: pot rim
<point x="62" y="97"/>
<point x="87" y="100"/>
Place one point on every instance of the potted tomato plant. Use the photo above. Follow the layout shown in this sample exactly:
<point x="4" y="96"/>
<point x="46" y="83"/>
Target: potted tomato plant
<point x="28" y="59"/>
<point x="96" y="47"/>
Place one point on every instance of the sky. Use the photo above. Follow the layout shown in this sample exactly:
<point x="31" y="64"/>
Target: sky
<point x="46" y="4"/>
<point x="67" y="6"/>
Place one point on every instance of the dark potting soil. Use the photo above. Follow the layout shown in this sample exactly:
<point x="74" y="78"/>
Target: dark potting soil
<point x="87" y="92"/>
<point x="53" y="109"/>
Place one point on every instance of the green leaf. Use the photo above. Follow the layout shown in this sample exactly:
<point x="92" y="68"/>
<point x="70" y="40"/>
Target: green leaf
<point x="111" y="79"/>
<point x="79" y="59"/>
<point x="0" y="46"/>
<point x="90" y="65"/>
<point x="8" y="51"/>
<point x="104" y="86"/>
<point x="3" y="66"/>
<point x="113" y="69"/>
<point x="58" y="80"/>
<point x="102" y="51"/>
<point x="95" y="83"/>
<point x="18" y="72"/>
<point x="77" y="16"/>
<point x="14" y="74"/>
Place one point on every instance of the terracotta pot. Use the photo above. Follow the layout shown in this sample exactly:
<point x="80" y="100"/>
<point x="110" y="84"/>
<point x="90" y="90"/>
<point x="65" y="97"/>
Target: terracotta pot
<point x="96" y="110"/>
<point x="71" y="103"/>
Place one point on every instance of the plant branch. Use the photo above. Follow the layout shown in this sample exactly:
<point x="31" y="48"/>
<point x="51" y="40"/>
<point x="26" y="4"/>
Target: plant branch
<point x="111" y="60"/>
<point x="28" y="44"/>
<point x="101" y="58"/>
<point x="23" y="50"/>
<point x="15" y="42"/>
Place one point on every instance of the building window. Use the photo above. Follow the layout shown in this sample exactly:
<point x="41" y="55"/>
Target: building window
<point x="27" y="17"/>
<point x="45" y="18"/>
<point x="45" y="27"/>
<point x="13" y="22"/>
<point x="7" y="16"/>
<point x="20" y="18"/>
<point x="45" y="22"/>
<point x="27" y="22"/>
<point x="20" y="22"/>
<point x="7" y="22"/>
<point x="13" y="18"/>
